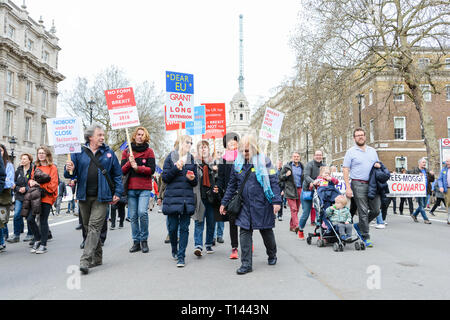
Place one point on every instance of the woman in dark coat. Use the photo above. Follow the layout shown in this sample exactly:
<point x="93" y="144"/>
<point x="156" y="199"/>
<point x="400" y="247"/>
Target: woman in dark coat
<point x="180" y="176"/>
<point x="261" y="200"/>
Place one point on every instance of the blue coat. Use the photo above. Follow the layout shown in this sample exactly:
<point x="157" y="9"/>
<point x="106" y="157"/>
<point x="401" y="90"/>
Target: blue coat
<point x="256" y="212"/>
<point x="109" y="161"/>
<point x="442" y="180"/>
<point x="179" y="192"/>
<point x="378" y="179"/>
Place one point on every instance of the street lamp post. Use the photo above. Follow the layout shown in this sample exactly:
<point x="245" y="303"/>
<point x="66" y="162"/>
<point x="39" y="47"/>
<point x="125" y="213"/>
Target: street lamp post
<point x="91" y="106"/>
<point x="12" y="141"/>
<point x="360" y="97"/>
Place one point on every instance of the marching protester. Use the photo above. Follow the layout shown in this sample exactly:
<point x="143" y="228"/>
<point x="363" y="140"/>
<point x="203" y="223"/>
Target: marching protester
<point x="358" y="163"/>
<point x="21" y="177"/>
<point x="443" y="184"/>
<point x="292" y="176"/>
<point x="205" y="203"/>
<point x="61" y="194"/>
<point x="118" y="209"/>
<point x="180" y="176"/>
<point x="5" y="195"/>
<point x="312" y="171"/>
<point x="440" y="197"/>
<point x="99" y="177"/>
<point x="230" y="142"/>
<point x="255" y="178"/>
<point x="220" y="225"/>
<point x="71" y="205"/>
<point x="422" y="201"/>
<point x="281" y="183"/>
<point x="139" y="167"/>
<point x="9" y="184"/>
<point x="43" y="183"/>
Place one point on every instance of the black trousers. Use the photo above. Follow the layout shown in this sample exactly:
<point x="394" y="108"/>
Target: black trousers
<point x="120" y="207"/>
<point x="234" y="234"/>
<point x="410" y="205"/>
<point x="385" y="205"/>
<point x="437" y="203"/>
<point x="246" y="238"/>
<point x="40" y="233"/>
<point x="104" y="232"/>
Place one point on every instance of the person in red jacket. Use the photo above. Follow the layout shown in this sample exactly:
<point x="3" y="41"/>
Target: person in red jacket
<point x="140" y="166"/>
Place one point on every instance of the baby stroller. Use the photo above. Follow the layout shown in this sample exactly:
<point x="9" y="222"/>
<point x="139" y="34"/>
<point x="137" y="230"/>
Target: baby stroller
<point x="325" y="231"/>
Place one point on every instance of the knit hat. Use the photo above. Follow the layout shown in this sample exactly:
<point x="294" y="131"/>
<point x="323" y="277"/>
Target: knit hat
<point x="228" y="137"/>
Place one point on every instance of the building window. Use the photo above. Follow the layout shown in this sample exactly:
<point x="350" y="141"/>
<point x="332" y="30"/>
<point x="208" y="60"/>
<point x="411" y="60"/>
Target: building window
<point x="8" y="123"/>
<point x="28" y="91"/>
<point x="399" y="90"/>
<point x="30" y="45"/>
<point x="363" y="102"/>
<point x="448" y="127"/>
<point x="11" y="32"/>
<point x="45" y="56"/>
<point x="241" y="105"/>
<point x="371" y="130"/>
<point x="423" y="63"/>
<point x="335" y="145"/>
<point x="447" y="88"/>
<point x="44" y="99"/>
<point x="341" y="144"/>
<point x="447" y="63"/>
<point x="27" y="128"/>
<point x="43" y="133"/>
<point x="9" y="82"/>
<point x="426" y="92"/>
<point x="370" y="97"/>
<point x="401" y="163"/>
<point x="399" y="128"/>
<point x="241" y="117"/>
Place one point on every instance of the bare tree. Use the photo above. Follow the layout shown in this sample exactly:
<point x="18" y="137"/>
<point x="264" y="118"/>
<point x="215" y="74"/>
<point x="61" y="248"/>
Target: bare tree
<point x="367" y="37"/>
<point x="148" y="101"/>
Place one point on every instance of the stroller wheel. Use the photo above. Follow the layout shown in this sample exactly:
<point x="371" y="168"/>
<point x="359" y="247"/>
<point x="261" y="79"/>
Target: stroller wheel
<point x="308" y="240"/>
<point x="357" y="246"/>
<point x="336" y="247"/>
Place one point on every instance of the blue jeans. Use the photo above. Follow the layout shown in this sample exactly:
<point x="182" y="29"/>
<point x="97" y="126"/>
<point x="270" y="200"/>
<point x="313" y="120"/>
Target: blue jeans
<point x="422" y="202"/>
<point x="380" y="219"/>
<point x="218" y="231"/>
<point x="2" y="236"/>
<point x="18" y="219"/>
<point x="181" y="221"/>
<point x="71" y="206"/>
<point x="138" y="211"/>
<point x="306" y="205"/>
<point x="200" y="225"/>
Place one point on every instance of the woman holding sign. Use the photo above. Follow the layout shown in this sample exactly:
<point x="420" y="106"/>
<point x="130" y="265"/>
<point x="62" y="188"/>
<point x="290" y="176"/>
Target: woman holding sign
<point x="180" y="176"/>
<point x="139" y="166"/>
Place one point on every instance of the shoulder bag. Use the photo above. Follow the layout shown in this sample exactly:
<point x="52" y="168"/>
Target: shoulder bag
<point x="102" y="169"/>
<point x="234" y="206"/>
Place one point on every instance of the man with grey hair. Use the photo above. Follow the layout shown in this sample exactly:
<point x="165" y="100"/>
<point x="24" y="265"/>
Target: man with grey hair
<point x="422" y="201"/>
<point x="99" y="178"/>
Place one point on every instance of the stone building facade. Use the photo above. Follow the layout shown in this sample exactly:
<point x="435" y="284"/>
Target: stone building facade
<point x="29" y="79"/>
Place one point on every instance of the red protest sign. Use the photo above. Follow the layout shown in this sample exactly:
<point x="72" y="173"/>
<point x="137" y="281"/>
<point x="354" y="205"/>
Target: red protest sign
<point x="122" y="108"/>
<point x="216" y="126"/>
<point x="172" y="125"/>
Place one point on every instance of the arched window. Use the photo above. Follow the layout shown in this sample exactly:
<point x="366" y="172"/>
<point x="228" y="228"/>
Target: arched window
<point x="241" y="117"/>
<point x="241" y="105"/>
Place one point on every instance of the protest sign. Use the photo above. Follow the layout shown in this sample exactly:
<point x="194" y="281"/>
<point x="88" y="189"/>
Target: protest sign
<point x="341" y="186"/>
<point x="216" y="126"/>
<point x="407" y="185"/>
<point x="172" y="125"/>
<point x="179" y="96"/>
<point x="198" y="126"/>
<point x="65" y="135"/>
<point x="271" y="126"/>
<point x="122" y="108"/>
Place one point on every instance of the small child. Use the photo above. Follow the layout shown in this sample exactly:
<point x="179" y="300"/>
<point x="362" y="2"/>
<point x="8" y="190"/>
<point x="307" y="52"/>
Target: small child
<point x="339" y="214"/>
<point x="324" y="179"/>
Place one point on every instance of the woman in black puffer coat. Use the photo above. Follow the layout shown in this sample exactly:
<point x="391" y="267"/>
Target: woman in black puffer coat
<point x="180" y="176"/>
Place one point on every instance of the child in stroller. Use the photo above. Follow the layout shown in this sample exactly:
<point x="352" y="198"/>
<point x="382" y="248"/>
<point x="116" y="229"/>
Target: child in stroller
<point x="324" y="197"/>
<point x="339" y="215"/>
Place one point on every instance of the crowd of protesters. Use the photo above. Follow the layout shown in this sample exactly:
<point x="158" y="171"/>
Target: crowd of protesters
<point x="242" y="187"/>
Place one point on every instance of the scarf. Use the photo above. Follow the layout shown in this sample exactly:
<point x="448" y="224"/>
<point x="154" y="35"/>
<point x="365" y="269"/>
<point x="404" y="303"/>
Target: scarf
<point x="259" y="163"/>
<point x="206" y="182"/>
<point x="139" y="148"/>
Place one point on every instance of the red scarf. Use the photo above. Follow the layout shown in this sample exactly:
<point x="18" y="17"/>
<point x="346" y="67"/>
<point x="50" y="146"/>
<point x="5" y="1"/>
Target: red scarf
<point x="206" y="182"/>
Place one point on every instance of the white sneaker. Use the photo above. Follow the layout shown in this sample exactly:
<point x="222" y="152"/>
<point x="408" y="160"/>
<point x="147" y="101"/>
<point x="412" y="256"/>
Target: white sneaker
<point x="380" y="226"/>
<point x="385" y="223"/>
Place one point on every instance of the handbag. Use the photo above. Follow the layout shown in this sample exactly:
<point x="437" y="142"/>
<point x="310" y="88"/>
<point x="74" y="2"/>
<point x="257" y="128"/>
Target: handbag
<point x="234" y="206"/>
<point x="307" y="195"/>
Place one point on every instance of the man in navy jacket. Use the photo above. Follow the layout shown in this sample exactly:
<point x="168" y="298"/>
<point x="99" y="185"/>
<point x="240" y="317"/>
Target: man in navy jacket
<point x="93" y="193"/>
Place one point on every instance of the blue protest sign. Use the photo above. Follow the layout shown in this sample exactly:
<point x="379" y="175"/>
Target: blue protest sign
<point x="179" y="82"/>
<point x="198" y="126"/>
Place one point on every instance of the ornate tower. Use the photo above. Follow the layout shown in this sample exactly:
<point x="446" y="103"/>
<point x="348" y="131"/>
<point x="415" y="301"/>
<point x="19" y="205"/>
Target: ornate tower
<point x="239" y="114"/>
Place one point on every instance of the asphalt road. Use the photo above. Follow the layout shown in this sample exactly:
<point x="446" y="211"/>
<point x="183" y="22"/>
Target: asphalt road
<point x="408" y="261"/>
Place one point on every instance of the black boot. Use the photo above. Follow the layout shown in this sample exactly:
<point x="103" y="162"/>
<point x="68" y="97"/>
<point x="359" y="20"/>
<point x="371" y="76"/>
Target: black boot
<point x="82" y="244"/>
<point x="144" y="246"/>
<point x="136" y="247"/>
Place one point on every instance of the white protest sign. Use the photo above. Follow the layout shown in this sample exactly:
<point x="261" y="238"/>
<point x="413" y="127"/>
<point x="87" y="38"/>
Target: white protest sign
<point x="64" y="134"/>
<point x="69" y="194"/>
<point x="122" y="109"/>
<point x="341" y="186"/>
<point x="271" y="126"/>
<point x="407" y="185"/>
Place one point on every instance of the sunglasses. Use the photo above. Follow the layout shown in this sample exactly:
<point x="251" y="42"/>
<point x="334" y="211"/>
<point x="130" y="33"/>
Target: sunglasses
<point x="187" y="142"/>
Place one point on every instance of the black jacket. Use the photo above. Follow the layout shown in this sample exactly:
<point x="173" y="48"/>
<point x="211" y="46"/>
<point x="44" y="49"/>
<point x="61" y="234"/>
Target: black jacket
<point x="378" y="179"/>
<point x="290" y="189"/>
<point x="21" y="180"/>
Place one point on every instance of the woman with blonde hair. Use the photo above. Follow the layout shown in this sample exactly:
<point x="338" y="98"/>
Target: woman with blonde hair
<point x="44" y="164"/>
<point x="253" y="172"/>
<point x="139" y="166"/>
<point x="180" y="176"/>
